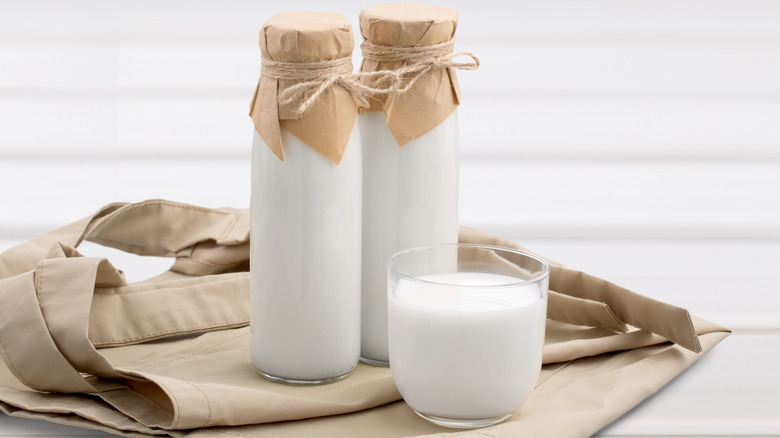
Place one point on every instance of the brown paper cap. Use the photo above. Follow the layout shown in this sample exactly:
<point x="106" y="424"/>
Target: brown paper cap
<point x="305" y="37"/>
<point x="435" y="95"/>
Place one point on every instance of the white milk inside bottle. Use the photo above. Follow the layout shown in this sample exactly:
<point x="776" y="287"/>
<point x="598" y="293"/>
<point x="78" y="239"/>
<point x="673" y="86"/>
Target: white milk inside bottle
<point x="410" y="198"/>
<point x="306" y="203"/>
<point x="305" y="300"/>
<point x="411" y="146"/>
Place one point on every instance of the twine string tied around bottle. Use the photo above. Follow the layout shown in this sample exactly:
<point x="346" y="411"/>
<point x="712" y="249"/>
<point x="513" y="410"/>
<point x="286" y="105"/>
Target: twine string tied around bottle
<point x="418" y="60"/>
<point x="315" y="77"/>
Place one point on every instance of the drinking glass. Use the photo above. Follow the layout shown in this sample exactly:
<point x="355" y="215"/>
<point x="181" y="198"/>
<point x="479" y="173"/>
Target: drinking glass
<point x="466" y="330"/>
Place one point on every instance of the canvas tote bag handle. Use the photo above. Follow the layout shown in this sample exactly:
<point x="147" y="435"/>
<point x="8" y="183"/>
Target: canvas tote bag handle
<point x="44" y="338"/>
<point x="60" y="299"/>
<point x="203" y="240"/>
<point x="581" y="299"/>
<point x="194" y="235"/>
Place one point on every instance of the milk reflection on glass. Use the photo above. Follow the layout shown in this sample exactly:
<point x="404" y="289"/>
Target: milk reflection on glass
<point x="466" y="330"/>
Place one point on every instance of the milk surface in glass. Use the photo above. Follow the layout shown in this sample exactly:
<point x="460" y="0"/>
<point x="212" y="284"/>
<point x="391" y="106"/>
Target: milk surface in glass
<point x="305" y="256"/>
<point x="470" y="352"/>
<point x="410" y="199"/>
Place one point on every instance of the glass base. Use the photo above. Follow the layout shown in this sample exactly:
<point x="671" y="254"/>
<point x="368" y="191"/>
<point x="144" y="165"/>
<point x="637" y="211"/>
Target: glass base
<point x="376" y="363"/>
<point x="461" y="423"/>
<point x="300" y="382"/>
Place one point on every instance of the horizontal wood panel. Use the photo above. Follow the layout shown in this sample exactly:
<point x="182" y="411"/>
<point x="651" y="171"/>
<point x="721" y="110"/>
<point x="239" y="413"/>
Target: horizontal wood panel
<point x="537" y="198"/>
<point x="595" y="79"/>
<point x="601" y="128"/>
<point x="700" y="275"/>
<point x="519" y="65"/>
<point x="64" y="191"/>
<point x="491" y="126"/>
<point x="525" y="199"/>
<point x="661" y="257"/>
<point x="716" y="17"/>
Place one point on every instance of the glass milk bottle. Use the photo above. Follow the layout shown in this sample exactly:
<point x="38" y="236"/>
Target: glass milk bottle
<point x="410" y="156"/>
<point x="306" y="203"/>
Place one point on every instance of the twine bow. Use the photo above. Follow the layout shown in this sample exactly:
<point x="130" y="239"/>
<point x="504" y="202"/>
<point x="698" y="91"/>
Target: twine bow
<point x="419" y="60"/>
<point x="317" y="76"/>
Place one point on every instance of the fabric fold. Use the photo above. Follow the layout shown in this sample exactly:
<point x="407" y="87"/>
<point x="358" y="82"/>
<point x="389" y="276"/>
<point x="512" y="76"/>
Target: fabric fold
<point x="577" y="311"/>
<point x="169" y="355"/>
<point x="671" y="322"/>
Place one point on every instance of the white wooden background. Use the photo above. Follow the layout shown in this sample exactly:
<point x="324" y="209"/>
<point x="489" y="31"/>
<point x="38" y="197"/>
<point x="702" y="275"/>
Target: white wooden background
<point x="636" y="140"/>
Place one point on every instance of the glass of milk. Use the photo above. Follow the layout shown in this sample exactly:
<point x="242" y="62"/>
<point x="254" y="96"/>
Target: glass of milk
<point x="466" y="330"/>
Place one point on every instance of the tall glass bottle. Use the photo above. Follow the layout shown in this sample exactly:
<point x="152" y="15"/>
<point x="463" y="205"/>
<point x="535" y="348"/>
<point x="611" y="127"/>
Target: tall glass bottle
<point x="305" y="207"/>
<point x="410" y="157"/>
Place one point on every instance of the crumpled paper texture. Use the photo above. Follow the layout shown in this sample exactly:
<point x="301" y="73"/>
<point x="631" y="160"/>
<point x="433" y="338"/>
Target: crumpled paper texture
<point x="305" y="37"/>
<point x="435" y="95"/>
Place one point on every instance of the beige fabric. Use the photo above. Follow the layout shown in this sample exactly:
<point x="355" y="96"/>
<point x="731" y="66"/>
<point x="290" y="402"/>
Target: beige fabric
<point x="169" y="355"/>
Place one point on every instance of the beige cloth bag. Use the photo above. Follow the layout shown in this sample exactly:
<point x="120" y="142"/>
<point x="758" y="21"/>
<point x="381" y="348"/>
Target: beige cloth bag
<point x="170" y="355"/>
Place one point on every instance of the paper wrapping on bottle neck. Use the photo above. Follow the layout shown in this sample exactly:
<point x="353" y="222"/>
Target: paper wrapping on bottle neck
<point x="435" y="95"/>
<point x="305" y="37"/>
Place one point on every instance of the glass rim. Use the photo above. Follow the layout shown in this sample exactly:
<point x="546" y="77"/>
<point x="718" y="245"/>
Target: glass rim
<point x="521" y="282"/>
